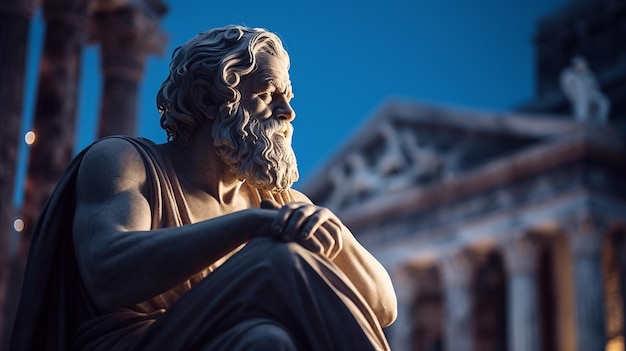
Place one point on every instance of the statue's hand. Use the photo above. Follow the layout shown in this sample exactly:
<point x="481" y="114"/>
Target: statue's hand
<point x="315" y="228"/>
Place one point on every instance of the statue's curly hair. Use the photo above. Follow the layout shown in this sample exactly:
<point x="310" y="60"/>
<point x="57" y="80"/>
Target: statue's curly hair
<point x="213" y="61"/>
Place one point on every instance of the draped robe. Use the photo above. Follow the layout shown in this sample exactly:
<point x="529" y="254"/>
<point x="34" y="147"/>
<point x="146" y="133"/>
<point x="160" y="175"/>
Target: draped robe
<point x="265" y="282"/>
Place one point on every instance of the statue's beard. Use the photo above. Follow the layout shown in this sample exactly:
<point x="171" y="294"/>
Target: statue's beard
<point x="253" y="149"/>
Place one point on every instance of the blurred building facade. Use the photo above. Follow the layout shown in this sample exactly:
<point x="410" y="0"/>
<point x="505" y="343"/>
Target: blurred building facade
<point x="127" y="31"/>
<point x="502" y="231"/>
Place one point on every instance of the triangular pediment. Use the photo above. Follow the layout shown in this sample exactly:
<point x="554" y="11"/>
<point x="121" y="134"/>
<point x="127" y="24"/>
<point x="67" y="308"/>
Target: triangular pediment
<point x="408" y="145"/>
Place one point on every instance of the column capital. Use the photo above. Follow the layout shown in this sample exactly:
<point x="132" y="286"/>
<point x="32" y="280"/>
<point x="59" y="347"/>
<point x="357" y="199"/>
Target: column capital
<point x="520" y="255"/>
<point x="69" y="12"/>
<point x="457" y="268"/>
<point x="586" y="233"/>
<point x="127" y="31"/>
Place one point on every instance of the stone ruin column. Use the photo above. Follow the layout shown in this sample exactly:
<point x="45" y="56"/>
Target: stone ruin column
<point x="523" y="322"/>
<point x="55" y="113"/>
<point x="15" y="16"/>
<point x="128" y="31"/>
<point x="457" y="273"/>
<point x="586" y="238"/>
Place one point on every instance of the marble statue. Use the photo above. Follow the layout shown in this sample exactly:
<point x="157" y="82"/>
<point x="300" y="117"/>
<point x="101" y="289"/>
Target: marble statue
<point x="581" y="88"/>
<point x="201" y="243"/>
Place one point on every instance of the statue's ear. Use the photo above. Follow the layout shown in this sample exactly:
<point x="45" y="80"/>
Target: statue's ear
<point x="203" y="99"/>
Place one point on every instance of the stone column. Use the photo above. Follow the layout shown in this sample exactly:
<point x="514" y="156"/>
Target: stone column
<point x="57" y="97"/>
<point x="586" y="237"/>
<point x="128" y="31"/>
<point x="457" y="275"/>
<point x="404" y="285"/>
<point x="15" y="18"/>
<point x="523" y="323"/>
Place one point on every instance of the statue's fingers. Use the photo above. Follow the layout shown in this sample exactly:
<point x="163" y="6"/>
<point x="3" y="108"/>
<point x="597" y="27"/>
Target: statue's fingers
<point x="312" y="244"/>
<point x="279" y="225"/>
<point x="318" y="218"/>
<point x="298" y="217"/>
<point x="326" y="240"/>
<point x="333" y="219"/>
<point x="335" y="232"/>
<point x="280" y="221"/>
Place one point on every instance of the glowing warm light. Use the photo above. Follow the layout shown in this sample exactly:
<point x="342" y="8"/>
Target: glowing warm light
<point x="30" y="137"/>
<point x="615" y="344"/>
<point x="18" y="225"/>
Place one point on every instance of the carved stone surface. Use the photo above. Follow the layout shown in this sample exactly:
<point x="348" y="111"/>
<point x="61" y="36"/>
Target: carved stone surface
<point x="421" y="147"/>
<point x="400" y="163"/>
<point x="207" y="198"/>
<point x="581" y="88"/>
<point x="57" y="98"/>
<point x="587" y="233"/>
<point x="521" y="260"/>
<point x="521" y="256"/>
<point x="128" y="31"/>
<point x="456" y="268"/>
<point x="457" y="273"/>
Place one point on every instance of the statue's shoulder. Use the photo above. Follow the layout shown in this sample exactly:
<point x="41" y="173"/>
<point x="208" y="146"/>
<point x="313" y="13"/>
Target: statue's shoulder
<point x="113" y="157"/>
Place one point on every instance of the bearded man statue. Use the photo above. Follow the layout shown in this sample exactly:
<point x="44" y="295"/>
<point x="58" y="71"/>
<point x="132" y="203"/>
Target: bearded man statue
<point x="201" y="243"/>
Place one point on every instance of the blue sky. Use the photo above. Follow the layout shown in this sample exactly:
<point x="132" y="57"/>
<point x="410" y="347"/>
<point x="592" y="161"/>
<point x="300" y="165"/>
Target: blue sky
<point x="348" y="58"/>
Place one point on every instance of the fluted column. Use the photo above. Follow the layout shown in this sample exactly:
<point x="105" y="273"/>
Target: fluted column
<point x="404" y="285"/>
<point x="457" y="275"/>
<point x="523" y="323"/>
<point x="57" y="97"/>
<point x="128" y="31"/>
<point x="586" y="236"/>
<point x="15" y="18"/>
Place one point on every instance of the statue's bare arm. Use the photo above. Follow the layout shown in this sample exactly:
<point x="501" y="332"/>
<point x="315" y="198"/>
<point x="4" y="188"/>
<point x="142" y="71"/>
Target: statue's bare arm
<point x="121" y="261"/>
<point x="318" y="229"/>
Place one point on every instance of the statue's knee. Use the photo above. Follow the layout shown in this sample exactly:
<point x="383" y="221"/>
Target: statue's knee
<point x="267" y="337"/>
<point x="276" y="251"/>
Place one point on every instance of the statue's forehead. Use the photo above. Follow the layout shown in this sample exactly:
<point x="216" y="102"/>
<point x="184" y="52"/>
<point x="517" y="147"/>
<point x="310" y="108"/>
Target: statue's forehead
<point x="272" y="71"/>
<point x="271" y="68"/>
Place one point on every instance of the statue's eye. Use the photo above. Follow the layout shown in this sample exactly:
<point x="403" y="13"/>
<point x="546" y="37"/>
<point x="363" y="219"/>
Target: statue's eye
<point x="265" y="96"/>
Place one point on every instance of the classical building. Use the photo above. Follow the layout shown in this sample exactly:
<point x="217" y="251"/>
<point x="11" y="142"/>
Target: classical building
<point x="502" y="231"/>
